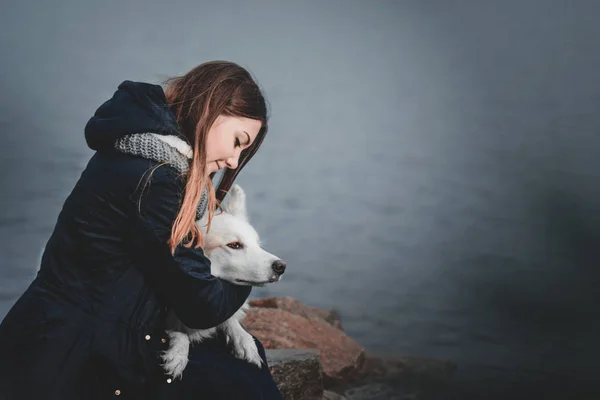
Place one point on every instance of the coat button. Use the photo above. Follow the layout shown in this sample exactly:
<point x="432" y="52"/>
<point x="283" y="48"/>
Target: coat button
<point x="163" y="340"/>
<point x="147" y="337"/>
<point x="117" y="392"/>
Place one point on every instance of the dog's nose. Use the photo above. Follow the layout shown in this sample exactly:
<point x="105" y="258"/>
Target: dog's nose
<point x="279" y="266"/>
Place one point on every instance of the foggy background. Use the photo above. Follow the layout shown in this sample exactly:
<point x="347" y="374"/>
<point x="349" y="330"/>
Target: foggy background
<point x="431" y="170"/>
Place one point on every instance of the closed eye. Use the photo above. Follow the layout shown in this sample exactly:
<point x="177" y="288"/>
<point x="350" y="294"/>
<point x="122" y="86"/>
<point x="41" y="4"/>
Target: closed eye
<point x="238" y="143"/>
<point x="235" y="245"/>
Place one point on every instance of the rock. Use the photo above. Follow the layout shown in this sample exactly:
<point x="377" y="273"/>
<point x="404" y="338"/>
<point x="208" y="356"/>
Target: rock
<point x="295" y="307"/>
<point x="285" y="323"/>
<point x="342" y="358"/>
<point x="327" y="395"/>
<point x="298" y="373"/>
<point x="374" y="391"/>
<point x="404" y="378"/>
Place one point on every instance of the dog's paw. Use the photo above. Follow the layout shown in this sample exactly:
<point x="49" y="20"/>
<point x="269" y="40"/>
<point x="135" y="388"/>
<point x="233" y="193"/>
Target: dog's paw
<point x="173" y="364"/>
<point x="244" y="348"/>
<point x="175" y="358"/>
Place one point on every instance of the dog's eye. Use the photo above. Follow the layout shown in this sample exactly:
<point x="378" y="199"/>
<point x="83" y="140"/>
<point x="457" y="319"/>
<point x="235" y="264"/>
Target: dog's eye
<point x="235" y="245"/>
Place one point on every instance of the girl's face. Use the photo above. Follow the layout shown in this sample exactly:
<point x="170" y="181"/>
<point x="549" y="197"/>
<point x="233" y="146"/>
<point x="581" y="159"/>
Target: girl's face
<point x="226" y="139"/>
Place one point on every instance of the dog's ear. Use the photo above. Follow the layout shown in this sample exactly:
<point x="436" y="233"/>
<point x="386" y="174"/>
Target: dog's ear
<point x="236" y="203"/>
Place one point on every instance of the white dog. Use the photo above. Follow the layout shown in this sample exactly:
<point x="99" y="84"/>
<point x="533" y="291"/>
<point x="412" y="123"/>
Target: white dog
<point x="234" y="249"/>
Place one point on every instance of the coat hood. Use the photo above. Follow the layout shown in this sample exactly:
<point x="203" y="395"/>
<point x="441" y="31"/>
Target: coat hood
<point x="135" y="107"/>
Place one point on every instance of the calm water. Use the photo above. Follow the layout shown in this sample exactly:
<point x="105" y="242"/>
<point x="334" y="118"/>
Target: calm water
<point x="431" y="172"/>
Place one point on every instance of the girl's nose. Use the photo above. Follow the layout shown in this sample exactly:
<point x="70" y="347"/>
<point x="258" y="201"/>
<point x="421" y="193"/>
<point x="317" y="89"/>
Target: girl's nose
<point x="232" y="162"/>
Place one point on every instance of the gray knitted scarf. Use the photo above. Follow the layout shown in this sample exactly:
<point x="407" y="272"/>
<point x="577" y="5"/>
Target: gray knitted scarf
<point x="165" y="149"/>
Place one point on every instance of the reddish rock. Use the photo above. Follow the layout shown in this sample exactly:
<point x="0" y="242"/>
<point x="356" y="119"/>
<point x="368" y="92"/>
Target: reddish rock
<point x="341" y="356"/>
<point x="295" y="307"/>
<point x="285" y="323"/>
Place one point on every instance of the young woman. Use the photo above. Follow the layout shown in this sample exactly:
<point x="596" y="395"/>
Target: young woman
<point x="126" y="249"/>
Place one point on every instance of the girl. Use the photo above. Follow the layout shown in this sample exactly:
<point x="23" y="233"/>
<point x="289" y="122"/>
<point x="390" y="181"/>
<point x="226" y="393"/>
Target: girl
<point x="126" y="248"/>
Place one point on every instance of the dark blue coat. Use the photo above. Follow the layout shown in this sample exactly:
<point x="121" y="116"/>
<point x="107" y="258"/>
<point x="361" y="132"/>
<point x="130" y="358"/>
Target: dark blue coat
<point x="91" y="325"/>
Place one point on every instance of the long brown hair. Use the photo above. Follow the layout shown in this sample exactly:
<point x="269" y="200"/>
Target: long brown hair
<point x="197" y="99"/>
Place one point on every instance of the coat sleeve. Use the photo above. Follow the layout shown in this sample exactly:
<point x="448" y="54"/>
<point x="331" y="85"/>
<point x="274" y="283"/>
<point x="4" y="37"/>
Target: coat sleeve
<point x="184" y="279"/>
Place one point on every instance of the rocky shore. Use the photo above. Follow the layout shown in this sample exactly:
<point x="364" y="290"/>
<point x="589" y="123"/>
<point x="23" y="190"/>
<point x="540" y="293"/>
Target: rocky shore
<point x="312" y="358"/>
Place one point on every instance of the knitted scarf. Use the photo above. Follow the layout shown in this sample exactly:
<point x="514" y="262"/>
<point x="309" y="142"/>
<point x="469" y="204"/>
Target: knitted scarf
<point x="165" y="149"/>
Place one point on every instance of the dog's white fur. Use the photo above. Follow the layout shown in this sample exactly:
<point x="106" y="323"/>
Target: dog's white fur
<point x="248" y="265"/>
